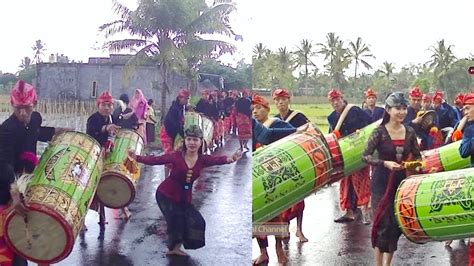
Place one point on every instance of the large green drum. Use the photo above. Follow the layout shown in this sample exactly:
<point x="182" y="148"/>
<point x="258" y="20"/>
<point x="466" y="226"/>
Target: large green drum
<point x="287" y="171"/>
<point x="120" y="176"/>
<point x="58" y="197"/>
<point x="436" y="207"/>
<point x="446" y="158"/>
<point x="204" y="123"/>
<point x="353" y="146"/>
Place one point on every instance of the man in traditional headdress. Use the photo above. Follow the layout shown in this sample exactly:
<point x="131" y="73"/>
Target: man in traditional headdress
<point x="372" y="110"/>
<point x="354" y="189"/>
<point x="282" y="98"/>
<point x="446" y="114"/>
<point x="19" y="134"/>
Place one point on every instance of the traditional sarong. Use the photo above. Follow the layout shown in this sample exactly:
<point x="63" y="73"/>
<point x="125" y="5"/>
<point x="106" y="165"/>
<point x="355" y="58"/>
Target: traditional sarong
<point x="294" y="211"/>
<point x="360" y="182"/>
<point x="184" y="223"/>
<point x="6" y="254"/>
<point x="227" y="124"/>
<point x="244" y="127"/>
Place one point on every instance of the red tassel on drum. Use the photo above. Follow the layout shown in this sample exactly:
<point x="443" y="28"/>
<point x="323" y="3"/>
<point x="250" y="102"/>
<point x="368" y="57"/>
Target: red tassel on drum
<point x="457" y="135"/>
<point x="337" y="134"/>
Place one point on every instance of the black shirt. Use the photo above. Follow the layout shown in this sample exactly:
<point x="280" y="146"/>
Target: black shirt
<point x="16" y="138"/>
<point x="297" y="121"/>
<point x="95" y="122"/>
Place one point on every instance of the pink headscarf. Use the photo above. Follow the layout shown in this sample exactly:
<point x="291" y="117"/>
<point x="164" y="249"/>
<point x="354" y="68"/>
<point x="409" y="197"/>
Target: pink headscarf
<point x="139" y="104"/>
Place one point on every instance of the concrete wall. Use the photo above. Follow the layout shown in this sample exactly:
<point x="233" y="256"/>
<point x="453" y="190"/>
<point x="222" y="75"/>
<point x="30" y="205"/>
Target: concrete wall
<point x="75" y="81"/>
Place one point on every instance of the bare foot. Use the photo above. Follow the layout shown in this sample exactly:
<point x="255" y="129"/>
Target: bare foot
<point x="301" y="237"/>
<point x="262" y="259"/>
<point x="126" y="214"/>
<point x="282" y="259"/>
<point x="177" y="252"/>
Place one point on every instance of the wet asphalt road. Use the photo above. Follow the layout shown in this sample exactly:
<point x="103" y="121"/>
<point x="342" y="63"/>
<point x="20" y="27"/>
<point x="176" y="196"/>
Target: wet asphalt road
<point x="223" y="196"/>
<point x="349" y="244"/>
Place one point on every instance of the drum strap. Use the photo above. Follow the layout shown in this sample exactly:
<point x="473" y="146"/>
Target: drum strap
<point x="269" y="122"/>
<point x="293" y="114"/>
<point x="343" y="116"/>
<point x="462" y="123"/>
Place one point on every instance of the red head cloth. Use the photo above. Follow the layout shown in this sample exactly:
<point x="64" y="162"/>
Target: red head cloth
<point x="183" y="93"/>
<point x="426" y="97"/>
<point x="370" y="93"/>
<point x="29" y="157"/>
<point x="459" y="99"/>
<point x="469" y="98"/>
<point x="415" y="92"/>
<point x="23" y="94"/>
<point x="205" y="92"/>
<point x="334" y="93"/>
<point x="257" y="99"/>
<point x="105" y="97"/>
<point x="438" y="96"/>
<point x="281" y="93"/>
<point x="245" y="92"/>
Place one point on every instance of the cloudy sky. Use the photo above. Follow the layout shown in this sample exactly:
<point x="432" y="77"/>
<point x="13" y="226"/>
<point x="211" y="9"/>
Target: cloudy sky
<point x="398" y="31"/>
<point x="68" y="27"/>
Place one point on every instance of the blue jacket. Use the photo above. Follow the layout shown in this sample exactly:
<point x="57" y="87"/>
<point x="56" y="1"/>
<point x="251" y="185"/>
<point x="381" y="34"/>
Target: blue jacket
<point x="265" y="136"/>
<point x="376" y="114"/>
<point x="356" y="119"/>
<point x="467" y="144"/>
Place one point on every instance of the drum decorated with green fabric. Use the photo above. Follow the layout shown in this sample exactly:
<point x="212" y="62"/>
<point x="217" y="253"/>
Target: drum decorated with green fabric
<point x="353" y="147"/>
<point x="446" y="158"/>
<point x="57" y="197"/>
<point x="287" y="171"/>
<point x="120" y="176"/>
<point x="436" y="207"/>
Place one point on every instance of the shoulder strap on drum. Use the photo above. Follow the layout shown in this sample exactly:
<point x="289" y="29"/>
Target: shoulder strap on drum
<point x="343" y="116"/>
<point x="293" y="114"/>
<point x="269" y="122"/>
<point x="462" y="123"/>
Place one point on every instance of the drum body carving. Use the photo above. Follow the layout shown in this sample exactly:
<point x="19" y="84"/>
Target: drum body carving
<point x="120" y="176"/>
<point x="288" y="170"/>
<point x="58" y="197"/>
<point x="436" y="207"/>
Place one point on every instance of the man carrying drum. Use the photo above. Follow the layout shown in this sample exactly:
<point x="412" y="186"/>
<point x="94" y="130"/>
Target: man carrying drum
<point x="260" y="111"/>
<point x="100" y="126"/>
<point x="173" y="124"/>
<point x="19" y="134"/>
<point x="354" y="189"/>
<point x="281" y="98"/>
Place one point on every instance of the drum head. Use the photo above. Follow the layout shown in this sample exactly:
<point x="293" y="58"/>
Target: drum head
<point x="427" y="119"/>
<point x="42" y="239"/>
<point x="115" y="190"/>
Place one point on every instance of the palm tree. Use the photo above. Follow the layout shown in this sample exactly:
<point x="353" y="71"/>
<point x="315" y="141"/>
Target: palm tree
<point x="387" y="69"/>
<point x="25" y="63"/>
<point x="337" y="56"/>
<point x="167" y="31"/>
<point x="260" y="51"/>
<point x="358" y="51"/>
<point x="38" y="48"/>
<point x="303" y="58"/>
<point x="441" y="60"/>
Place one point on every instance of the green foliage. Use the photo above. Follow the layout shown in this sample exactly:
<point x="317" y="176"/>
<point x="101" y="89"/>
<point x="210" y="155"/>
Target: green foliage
<point x="234" y="78"/>
<point x="28" y="74"/>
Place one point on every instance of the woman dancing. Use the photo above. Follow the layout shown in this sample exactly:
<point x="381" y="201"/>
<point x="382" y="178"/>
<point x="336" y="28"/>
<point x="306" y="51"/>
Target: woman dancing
<point x="174" y="193"/>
